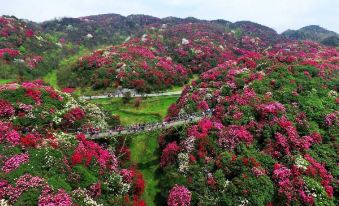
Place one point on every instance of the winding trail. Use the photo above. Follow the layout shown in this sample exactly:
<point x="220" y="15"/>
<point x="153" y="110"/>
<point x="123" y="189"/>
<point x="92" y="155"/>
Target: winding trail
<point x="106" y="96"/>
<point x="112" y="133"/>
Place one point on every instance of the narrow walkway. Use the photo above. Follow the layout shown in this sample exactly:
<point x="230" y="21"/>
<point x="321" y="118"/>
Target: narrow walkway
<point x="151" y="127"/>
<point x="132" y="95"/>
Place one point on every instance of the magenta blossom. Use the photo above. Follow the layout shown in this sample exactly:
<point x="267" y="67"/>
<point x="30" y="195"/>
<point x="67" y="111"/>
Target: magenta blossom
<point x="179" y="196"/>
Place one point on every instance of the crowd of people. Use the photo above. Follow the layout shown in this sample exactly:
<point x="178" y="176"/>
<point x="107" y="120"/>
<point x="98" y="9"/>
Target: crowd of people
<point x="140" y="127"/>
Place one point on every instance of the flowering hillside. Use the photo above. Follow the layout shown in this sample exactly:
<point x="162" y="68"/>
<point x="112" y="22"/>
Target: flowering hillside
<point x="139" y="64"/>
<point x="42" y="164"/>
<point x="146" y="63"/>
<point x="257" y="122"/>
<point x="21" y="43"/>
<point x="199" y="47"/>
<point x="273" y="135"/>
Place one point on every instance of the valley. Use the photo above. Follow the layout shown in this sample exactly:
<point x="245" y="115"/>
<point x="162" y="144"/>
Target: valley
<point x="266" y="134"/>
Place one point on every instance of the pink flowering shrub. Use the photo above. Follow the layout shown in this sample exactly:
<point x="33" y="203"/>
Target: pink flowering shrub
<point x="8" y="134"/>
<point x="274" y="108"/>
<point x="14" y="162"/>
<point x="127" y="175"/>
<point x="332" y="119"/>
<point x="33" y="62"/>
<point x="230" y="136"/>
<point x="201" y="130"/>
<point x="179" y="196"/>
<point x="289" y="182"/>
<point x="23" y="183"/>
<point x="291" y="141"/>
<point x="61" y="198"/>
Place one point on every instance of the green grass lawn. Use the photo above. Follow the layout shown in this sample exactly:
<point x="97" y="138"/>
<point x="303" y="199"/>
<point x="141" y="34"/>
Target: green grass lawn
<point x="152" y="109"/>
<point x="145" y="153"/>
<point x="195" y="77"/>
<point x="4" y="81"/>
<point x="52" y="79"/>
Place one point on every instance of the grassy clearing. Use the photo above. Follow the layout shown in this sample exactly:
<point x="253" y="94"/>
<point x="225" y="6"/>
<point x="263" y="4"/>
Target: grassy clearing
<point x="52" y="79"/>
<point x="174" y="89"/>
<point x="195" y="77"/>
<point x="4" y="81"/>
<point x="145" y="153"/>
<point x="152" y="109"/>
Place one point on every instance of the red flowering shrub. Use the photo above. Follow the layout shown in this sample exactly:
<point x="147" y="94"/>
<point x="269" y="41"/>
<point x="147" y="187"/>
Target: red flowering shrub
<point x="75" y="114"/>
<point x="68" y="90"/>
<point x="10" y="52"/>
<point x="169" y="153"/>
<point x="173" y="110"/>
<point x="20" y="44"/>
<point x="86" y="151"/>
<point x="34" y="94"/>
<point x="30" y="140"/>
<point x="199" y="46"/>
<point x="315" y="168"/>
<point x="6" y="109"/>
<point x="29" y="33"/>
<point x="138" y="183"/>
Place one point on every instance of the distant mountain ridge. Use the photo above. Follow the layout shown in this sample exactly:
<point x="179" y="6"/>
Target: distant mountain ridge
<point x="314" y="33"/>
<point x="107" y="29"/>
<point x="110" y="28"/>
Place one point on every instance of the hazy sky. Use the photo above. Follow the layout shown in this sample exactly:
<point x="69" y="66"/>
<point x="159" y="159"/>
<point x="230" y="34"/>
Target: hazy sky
<point x="278" y="14"/>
